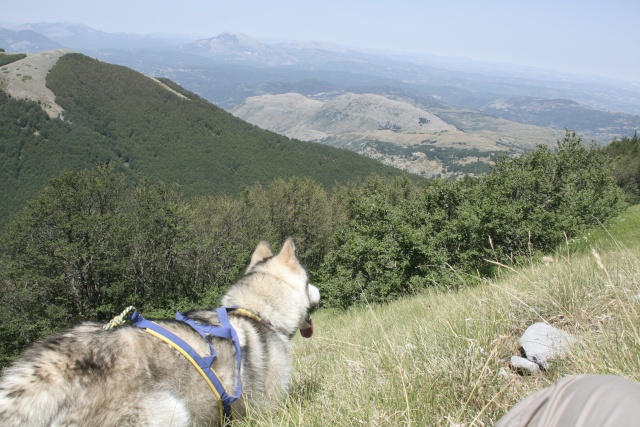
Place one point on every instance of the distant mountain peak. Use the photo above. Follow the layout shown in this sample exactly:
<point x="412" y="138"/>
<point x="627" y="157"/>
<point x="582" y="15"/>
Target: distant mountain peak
<point x="59" y="30"/>
<point x="239" y="38"/>
<point x="230" y="42"/>
<point x="25" y="40"/>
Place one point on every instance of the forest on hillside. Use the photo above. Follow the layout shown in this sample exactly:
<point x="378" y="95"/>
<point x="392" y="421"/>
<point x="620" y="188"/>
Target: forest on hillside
<point x="94" y="242"/>
<point x="114" y="114"/>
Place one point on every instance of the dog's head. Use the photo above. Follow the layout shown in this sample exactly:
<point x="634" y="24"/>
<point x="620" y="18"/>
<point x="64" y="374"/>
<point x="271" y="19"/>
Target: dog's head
<point x="276" y="287"/>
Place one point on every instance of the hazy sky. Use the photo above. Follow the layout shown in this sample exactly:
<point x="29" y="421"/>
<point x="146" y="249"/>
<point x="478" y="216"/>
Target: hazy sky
<point x="599" y="37"/>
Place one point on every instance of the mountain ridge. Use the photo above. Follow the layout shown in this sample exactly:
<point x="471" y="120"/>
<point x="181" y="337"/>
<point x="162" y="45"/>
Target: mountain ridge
<point x="491" y="106"/>
<point x="79" y="36"/>
<point x="114" y="114"/>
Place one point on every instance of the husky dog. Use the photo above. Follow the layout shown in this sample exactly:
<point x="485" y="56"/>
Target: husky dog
<point x="126" y="377"/>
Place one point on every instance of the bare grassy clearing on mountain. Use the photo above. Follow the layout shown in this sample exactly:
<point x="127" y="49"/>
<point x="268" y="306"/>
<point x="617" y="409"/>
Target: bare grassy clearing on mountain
<point x="26" y="79"/>
<point x="294" y="114"/>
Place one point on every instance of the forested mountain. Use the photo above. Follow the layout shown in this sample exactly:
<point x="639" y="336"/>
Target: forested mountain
<point x="226" y="80"/>
<point x="150" y="129"/>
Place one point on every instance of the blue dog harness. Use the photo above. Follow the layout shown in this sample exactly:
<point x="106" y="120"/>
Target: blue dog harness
<point x="202" y="364"/>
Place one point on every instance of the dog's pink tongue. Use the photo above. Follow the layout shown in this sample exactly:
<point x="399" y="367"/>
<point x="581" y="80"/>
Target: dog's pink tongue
<point x="308" y="331"/>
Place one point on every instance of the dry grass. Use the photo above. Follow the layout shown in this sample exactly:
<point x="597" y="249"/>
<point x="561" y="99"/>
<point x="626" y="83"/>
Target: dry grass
<point x="441" y="359"/>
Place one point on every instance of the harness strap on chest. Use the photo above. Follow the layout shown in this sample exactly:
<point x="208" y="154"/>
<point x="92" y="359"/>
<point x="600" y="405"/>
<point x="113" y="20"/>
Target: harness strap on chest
<point x="201" y="363"/>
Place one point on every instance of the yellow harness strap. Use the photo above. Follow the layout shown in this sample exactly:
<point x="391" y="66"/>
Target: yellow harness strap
<point x="246" y="313"/>
<point x="189" y="353"/>
<point x="195" y="365"/>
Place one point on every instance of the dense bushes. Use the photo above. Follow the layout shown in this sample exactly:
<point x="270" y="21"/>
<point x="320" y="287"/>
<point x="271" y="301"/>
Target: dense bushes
<point x="626" y="155"/>
<point x="443" y="234"/>
<point x="90" y="245"/>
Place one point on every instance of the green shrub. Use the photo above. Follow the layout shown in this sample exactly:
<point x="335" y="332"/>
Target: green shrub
<point x="447" y="233"/>
<point x="625" y="153"/>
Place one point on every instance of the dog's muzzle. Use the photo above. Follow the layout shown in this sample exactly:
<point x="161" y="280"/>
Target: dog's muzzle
<point x="306" y="327"/>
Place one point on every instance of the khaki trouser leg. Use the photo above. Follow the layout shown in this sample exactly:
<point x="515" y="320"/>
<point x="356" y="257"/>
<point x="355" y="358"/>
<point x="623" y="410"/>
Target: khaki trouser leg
<point x="579" y="401"/>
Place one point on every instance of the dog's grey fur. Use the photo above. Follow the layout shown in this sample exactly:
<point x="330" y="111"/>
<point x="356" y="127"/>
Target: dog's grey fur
<point x="127" y="377"/>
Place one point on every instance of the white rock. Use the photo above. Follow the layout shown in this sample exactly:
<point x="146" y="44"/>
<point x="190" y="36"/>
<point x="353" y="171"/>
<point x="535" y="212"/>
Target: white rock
<point x="542" y="342"/>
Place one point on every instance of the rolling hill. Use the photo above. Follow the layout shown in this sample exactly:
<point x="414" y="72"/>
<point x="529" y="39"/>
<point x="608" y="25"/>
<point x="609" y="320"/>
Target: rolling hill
<point x="396" y="130"/>
<point x="150" y="128"/>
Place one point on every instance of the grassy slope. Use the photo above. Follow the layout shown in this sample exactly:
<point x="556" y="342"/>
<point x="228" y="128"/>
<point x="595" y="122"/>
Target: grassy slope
<point x="442" y="358"/>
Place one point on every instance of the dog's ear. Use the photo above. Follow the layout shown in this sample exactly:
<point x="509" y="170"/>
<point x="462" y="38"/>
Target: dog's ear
<point x="288" y="252"/>
<point x="261" y="252"/>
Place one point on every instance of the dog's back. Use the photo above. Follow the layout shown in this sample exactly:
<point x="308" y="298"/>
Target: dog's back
<point x="128" y="377"/>
<point x="87" y="376"/>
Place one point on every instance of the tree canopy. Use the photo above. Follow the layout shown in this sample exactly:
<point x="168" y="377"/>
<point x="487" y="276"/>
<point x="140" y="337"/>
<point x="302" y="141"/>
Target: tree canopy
<point x="94" y="242"/>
